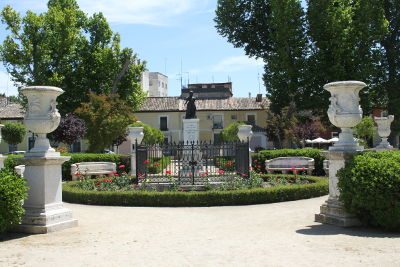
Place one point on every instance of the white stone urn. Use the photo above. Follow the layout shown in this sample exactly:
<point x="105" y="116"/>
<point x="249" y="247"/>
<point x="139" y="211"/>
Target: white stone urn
<point x="136" y="134"/>
<point x="345" y="112"/>
<point x="384" y="131"/>
<point x="244" y="132"/>
<point x="42" y="116"/>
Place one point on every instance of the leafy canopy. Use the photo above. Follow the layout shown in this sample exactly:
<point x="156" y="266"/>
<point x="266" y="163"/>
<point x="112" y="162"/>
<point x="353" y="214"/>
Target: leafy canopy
<point x="106" y="118"/>
<point x="13" y="132"/>
<point x="66" y="48"/>
<point x="70" y="130"/>
<point x="230" y="133"/>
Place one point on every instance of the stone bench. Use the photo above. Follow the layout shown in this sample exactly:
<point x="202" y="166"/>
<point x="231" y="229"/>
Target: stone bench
<point x="285" y="164"/>
<point x="92" y="168"/>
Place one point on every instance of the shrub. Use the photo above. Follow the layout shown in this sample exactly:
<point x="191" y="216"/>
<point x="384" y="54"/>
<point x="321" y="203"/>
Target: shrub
<point x="229" y="134"/>
<point x="92" y="157"/>
<point x="152" y="135"/>
<point x="259" y="158"/>
<point x="73" y="194"/>
<point x="13" y="191"/>
<point x="70" y="130"/>
<point x="13" y="132"/>
<point x="370" y="188"/>
<point x="11" y="161"/>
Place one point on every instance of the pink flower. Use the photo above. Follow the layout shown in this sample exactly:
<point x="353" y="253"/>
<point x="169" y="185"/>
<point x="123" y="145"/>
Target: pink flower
<point x="122" y="166"/>
<point x="146" y="161"/>
<point x="221" y="171"/>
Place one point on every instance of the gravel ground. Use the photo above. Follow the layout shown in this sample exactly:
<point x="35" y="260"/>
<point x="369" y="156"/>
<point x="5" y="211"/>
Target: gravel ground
<point x="281" y="234"/>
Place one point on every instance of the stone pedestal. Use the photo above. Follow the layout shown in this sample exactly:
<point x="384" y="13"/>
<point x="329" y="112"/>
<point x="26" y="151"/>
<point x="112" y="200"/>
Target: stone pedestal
<point x="44" y="211"/>
<point x="191" y="130"/>
<point x="333" y="211"/>
<point x="2" y="159"/>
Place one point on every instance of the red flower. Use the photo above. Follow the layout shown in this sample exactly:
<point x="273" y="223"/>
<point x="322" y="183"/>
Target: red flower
<point x="116" y="174"/>
<point x="221" y="171"/>
<point x="122" y="166"/>
<point x="77" y="174"/>
<point x="168" y="172"/>
<point x="146" y="161"/>
<point x="156" y="164"/>
<point x="302" y="169"/>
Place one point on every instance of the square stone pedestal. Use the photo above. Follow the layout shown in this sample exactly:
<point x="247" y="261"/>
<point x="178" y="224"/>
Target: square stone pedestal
<point x="333" y="211"/>
<point x="44" y="211"/>
<point x="191" y="130"/>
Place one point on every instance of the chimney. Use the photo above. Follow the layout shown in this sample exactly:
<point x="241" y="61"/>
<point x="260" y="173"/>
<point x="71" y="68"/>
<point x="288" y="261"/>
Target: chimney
<point x="249" y="95"/>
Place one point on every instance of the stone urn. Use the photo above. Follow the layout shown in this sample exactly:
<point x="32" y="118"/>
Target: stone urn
<point x="384" y="131"/>
<point x="42" y="117"/>
<point x="135" y="134"/>
<point x="345" y="112"/>
<point x="245" y="133"/>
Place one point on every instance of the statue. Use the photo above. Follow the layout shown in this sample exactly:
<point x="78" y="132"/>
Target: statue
<point x="190" y="106"/>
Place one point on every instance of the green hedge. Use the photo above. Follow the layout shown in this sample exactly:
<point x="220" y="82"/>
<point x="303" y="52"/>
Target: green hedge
<point x="89" y="157"/>
<point x="73" y="194"/>
<point x="260" y="157"/>
<point x="13" y="191"/>
<point x="11" y="161"/>
<point x="370" y="188"/>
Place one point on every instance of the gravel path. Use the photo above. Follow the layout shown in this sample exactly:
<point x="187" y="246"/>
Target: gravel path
<point x="281" y="234"/>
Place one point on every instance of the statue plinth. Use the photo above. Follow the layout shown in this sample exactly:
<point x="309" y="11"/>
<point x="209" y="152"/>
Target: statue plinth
<point x="191" y="129"/>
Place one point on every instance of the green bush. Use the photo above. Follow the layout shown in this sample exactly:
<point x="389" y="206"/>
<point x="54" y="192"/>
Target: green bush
<point x="92" y="157"/>
<point x="13" y="191"/>
<point x="152" y="135"/>
<point x="370" y="188"/>
<point x="260" y="157"/>
<point x="11" y="161"/>
<point x="319" y="187"/>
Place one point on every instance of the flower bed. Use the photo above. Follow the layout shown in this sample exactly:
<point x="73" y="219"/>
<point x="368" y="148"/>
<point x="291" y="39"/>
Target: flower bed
<point x="121" y="192"/>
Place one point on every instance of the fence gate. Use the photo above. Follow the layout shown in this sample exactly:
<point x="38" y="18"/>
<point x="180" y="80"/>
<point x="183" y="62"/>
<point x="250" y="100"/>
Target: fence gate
<point x="195" y="163"/>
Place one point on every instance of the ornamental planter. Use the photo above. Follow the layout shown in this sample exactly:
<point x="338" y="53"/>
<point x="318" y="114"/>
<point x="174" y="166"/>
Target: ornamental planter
<point x="384" y="131"/>
<point x="345" y="112"/>
<point x="42" y="116"/>
<point x="135" y="134"/>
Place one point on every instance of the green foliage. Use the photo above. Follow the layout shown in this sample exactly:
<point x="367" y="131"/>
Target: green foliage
<point x="259" y="158"/>
<point x="365" y="130"/>
<point x="66" y="48"/>
<point x="11" y="161"/>
<point x="157" y="165"/>
<point x="13" y="191"/>
<point x="225" y="163"/>
<point x="229" y="133"/>
<point x="72" y="194"/>
<point x="152" y="135"/>
<point x="91" y="157"/>
<point x="13" y="132"/>
<point x="106" y="118"/>
<point x="370" y="188"/>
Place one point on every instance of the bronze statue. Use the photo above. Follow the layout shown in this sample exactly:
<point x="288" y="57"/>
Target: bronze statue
<point x="190" y="106"/>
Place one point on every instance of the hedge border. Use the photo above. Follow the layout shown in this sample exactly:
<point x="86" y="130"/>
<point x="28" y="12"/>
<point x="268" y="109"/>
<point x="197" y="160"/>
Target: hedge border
<point x="196" y="199"/>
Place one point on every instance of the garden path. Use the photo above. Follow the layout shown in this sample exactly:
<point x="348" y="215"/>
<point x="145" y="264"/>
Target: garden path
<point x="280" y="234"/>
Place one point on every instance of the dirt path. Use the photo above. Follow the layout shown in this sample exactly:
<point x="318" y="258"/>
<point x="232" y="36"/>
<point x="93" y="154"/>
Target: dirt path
<point x="281" y="234"/>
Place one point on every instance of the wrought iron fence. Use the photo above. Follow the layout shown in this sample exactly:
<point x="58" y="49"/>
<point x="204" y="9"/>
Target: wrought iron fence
<point x="194" y="163"/>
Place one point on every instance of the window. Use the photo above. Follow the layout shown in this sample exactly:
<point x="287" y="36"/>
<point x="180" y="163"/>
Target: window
<point x="218" y="122"/>
<point x="76" y="147"/>
<point x="251" y="119"/>
<point x="163" y="123"/>
<point x="217" y="138"/>
<point x="234" y="117"/>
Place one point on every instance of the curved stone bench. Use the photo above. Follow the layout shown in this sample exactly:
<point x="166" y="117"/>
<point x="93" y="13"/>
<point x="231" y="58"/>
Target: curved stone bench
<point x="285" y="164"/>
<point x="92" y="168"/>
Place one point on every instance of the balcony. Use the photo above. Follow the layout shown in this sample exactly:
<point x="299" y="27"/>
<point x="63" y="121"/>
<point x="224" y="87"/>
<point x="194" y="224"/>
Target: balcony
<point x="218" y="125"/>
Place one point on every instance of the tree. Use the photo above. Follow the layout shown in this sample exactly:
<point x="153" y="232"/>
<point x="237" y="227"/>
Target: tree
<point x="280" y="125"/>
<point x="230" y="133"/>
<point x="273" y="30"/>
<point x="152" y="135"/>
<point x="365" y="130"/>
<point x="70" y="130"/>
<point x="13" y="132"/>
<point x="106" y="118"/>
<point x="63" y="47"/>
<point x="307" y="128"/>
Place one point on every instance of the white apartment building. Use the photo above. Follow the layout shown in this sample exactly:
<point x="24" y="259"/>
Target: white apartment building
<point x="155" y="84"/>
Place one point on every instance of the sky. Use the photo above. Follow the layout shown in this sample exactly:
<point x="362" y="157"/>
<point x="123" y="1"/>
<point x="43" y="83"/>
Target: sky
<point x="173" y="36"/>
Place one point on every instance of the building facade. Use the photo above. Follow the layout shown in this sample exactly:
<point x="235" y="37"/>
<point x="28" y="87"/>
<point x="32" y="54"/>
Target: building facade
<point x="155" y="84"/>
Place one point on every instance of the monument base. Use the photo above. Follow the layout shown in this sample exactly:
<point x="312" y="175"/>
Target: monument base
<point x="333" y="213"/>
<point x="44" y="211"/>
<point x="42" y="222"/>
<point x="191" y="130"/>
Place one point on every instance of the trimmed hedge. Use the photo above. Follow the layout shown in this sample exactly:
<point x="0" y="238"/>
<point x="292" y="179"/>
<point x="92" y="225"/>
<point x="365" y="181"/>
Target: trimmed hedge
<point x="11" y="161"/>
<point x="73" y="194"/>
<point x="13" y="191"/>
<point x="89" y="157"/>
<point x="370" y="188"/>
<point x="260" y="157"/>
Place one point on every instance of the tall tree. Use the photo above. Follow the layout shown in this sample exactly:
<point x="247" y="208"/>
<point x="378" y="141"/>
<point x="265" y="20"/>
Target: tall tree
<point x="273" y="30"/>
<point x="65" y="48"/>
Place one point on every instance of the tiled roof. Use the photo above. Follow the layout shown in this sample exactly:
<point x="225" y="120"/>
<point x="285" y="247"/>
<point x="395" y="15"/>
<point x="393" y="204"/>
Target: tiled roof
<point x="12" y="111"/>
<point x="153" y="104"/>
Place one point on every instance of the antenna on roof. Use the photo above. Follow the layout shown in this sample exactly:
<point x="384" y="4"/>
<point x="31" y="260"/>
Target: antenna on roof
<point x="259" y="84"/>
<point x="229" y="79"/>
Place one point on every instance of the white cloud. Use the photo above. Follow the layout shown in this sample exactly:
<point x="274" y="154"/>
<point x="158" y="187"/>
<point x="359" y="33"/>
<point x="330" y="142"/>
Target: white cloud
<point x="6" y="85"/>
<point x="151" y="12"/>
<point x="237" y="63"/>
